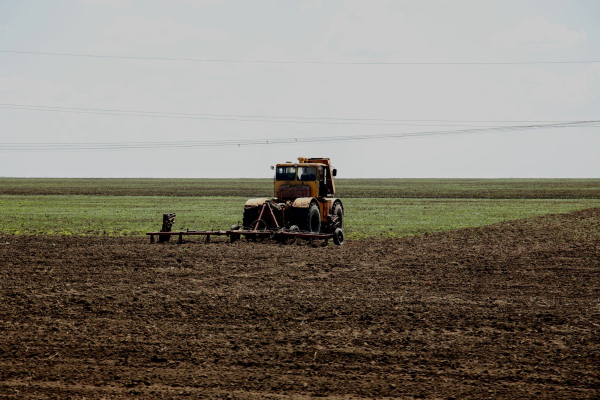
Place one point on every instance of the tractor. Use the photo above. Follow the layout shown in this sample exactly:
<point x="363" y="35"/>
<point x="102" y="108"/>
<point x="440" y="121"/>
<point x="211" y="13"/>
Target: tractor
<point x="304" y="199"/>
<point x="304" y="206"/>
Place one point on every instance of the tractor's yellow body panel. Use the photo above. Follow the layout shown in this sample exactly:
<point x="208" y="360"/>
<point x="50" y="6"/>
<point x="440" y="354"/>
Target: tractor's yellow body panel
<point x="256" y="202"/>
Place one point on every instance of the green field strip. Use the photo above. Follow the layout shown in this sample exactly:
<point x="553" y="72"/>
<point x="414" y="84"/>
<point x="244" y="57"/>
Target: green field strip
<point x="364" y="217"/>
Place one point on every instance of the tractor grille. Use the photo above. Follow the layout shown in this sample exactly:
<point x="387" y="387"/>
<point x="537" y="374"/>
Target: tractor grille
<point x="293" y="192"/>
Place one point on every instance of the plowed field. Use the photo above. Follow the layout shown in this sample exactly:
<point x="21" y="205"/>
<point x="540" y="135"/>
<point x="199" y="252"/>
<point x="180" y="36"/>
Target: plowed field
<point x="510" y="310"/>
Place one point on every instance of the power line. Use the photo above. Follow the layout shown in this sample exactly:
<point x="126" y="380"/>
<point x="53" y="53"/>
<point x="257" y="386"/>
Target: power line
<point x="236" y="61"/>
<point x="263" y="118"/>
<point x="118" y="146"/>
<point x="221" y="118"/>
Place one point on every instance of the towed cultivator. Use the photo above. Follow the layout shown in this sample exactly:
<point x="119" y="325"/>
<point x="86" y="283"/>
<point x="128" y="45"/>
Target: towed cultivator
<point x="304" y="207"/>
<point x="281" y="234"/>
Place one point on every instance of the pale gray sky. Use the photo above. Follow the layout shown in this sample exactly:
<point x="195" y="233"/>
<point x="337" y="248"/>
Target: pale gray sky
<point x="372" y="31"/>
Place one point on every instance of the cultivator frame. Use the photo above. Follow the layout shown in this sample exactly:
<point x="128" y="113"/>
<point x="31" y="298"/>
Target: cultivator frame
<point x="265" y="226"/>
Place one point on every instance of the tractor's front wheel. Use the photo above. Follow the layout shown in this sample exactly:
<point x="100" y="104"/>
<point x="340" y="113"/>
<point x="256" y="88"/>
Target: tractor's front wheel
<point x="308" y="219"/>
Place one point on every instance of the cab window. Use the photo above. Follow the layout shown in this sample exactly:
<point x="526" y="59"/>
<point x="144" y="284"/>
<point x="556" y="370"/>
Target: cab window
<point x="307" y="173"/>
<point x="285" y="173"/>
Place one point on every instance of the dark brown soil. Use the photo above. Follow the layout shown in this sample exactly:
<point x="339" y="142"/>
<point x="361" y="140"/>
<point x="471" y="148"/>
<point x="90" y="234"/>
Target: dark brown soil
<point x="511" y="310"/>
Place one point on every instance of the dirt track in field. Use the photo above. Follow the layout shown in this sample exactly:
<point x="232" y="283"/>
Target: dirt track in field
<point x="511" y="310"/>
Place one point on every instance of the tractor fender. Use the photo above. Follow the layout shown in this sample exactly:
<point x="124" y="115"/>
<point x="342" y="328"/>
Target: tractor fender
<point x="303" y="202"/>
<point x="251" y="203"/>
<point x="331" y="202"/>
<point x="337" y="201"/>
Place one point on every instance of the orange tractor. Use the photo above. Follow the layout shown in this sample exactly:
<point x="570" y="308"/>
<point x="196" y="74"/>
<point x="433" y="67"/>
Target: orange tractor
<point x="304" y="207"/>
<point x="304" y="199"/>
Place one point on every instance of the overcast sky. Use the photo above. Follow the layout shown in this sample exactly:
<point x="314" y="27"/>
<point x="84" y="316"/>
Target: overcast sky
<point x="333" y="31"/>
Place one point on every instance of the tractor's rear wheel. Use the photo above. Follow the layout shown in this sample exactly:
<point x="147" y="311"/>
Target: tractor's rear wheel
<point x="250" y="216"/>
<point x="308" y="219"/>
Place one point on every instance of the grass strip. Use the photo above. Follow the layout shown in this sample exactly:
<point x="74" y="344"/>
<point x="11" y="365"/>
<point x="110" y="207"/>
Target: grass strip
<point x="364" y="217"/>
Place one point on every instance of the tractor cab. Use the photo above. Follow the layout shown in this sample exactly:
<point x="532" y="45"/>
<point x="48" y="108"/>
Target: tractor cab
<point x="308" y="178"/>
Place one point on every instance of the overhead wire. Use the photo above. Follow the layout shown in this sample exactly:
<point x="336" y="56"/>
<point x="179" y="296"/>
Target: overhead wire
<point x="290" y="120"/>
<point x="240" y="61"/>
<point x="128" y="146"/>
<point x="548" y="124"/>
<point x="113" y="146"/>
<point x="266" y="118"/>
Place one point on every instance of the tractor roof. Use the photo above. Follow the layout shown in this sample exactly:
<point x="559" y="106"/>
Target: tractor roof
<point x="297" y="164"/>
